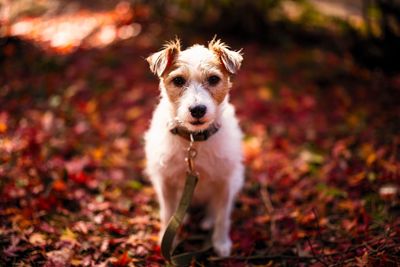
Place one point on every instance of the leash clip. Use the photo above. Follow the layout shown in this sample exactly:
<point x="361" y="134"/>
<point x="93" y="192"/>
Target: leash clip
<point x="191" y="155"/>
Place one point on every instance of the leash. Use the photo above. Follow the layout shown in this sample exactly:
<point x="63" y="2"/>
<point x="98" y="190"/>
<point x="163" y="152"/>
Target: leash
<point x="167" y="251"/>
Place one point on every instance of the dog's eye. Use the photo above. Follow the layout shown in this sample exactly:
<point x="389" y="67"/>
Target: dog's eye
<point x="179" y="81"/>
<point x="213" y="80"/>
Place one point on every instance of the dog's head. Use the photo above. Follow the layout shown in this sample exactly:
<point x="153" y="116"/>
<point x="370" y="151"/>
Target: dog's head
<point x="196" y="80"/>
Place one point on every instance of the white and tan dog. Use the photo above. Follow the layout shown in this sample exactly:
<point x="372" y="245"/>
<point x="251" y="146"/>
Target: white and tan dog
<point x="195" y="86"/>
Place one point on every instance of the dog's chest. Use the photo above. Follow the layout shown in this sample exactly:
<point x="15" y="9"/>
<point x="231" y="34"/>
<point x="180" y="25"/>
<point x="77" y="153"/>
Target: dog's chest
<point x="209" y="159"/>
<point x="212" y="162"/>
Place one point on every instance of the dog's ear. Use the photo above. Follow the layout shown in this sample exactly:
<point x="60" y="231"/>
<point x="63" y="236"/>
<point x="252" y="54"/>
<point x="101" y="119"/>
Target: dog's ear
<point x="229" y="58"/>
<point x="161" y="60"/>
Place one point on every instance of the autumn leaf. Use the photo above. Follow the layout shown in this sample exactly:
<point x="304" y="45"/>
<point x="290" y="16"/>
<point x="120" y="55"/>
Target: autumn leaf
<point x="123" y="260"/>
<point x="58" y="257"/>
<point x="59" y="185"/>
<point x="80" y="177"/>
<point x="37" y="239"/>
<point x="3" y="127"/>
<point x="47" y="203"/>
<point x="68" y="236"/>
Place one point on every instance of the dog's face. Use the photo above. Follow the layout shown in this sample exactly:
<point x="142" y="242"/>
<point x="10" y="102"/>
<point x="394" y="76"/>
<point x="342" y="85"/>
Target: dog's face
<point x="196" y="81"/>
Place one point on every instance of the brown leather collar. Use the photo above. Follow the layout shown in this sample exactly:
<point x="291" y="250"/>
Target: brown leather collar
<point x="197" y="136"/>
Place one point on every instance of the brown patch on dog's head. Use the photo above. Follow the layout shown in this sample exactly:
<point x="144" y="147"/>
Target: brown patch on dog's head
<point x="220" y="94"/>
<point x="219" y="90"/>
<point x="160" y="61"/>
<point x="176" y="70"/>
<point x="230" y="61"/>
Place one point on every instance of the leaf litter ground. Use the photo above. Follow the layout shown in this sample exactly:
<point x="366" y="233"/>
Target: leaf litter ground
<point x="321" y="149"/>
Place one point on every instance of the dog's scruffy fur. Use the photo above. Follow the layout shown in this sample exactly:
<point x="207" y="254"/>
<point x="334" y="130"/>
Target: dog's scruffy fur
<point x="197" y="76"/>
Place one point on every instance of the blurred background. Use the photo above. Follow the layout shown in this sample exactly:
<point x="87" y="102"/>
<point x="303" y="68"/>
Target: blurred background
<point x="369" y="28"/>
<point x="317" y="97"/>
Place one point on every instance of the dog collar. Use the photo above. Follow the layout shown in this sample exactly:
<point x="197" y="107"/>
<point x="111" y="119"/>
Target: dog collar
<point x="197" y="136"/>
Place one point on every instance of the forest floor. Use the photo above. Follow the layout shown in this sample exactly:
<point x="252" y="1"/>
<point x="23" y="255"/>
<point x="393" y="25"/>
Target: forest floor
<point x="321" y="149"/>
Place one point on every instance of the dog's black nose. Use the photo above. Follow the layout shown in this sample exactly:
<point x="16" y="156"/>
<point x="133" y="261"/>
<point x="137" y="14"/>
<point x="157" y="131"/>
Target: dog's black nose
<point x="198" y="111"/>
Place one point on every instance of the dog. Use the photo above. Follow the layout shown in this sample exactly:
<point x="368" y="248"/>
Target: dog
<point x="194" y="86"/>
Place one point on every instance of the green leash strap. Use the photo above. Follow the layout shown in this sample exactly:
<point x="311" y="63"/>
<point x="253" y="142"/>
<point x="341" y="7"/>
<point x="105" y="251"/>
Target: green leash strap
<point x="183" y="259"/>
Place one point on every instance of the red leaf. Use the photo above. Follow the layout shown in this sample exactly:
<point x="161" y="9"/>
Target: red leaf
<point x="114" y="229"/>
<point x="46" y="203"/>
<point x="80" y="177"/>
<point x="122" y="261"/>
<point x="59" y="185"/>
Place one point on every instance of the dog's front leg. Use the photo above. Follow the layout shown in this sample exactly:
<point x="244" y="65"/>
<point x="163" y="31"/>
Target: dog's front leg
<point x="220" y="239"/>
<point x="167" y="197"/>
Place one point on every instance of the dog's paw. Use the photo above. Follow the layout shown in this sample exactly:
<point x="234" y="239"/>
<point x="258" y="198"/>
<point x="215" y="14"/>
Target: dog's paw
<point x="207" y="223"/>
<point x="223" y="249"/>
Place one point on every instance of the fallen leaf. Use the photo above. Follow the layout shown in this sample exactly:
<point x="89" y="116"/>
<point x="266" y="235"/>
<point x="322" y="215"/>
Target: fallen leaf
<point x="37" y="239"/>
<point x="68" y="236"/>
<point x="123" y="260"/>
